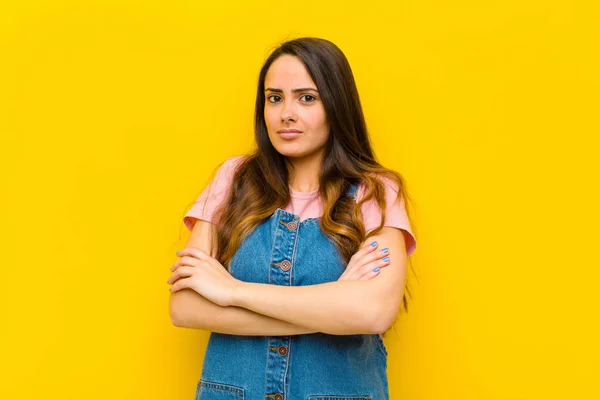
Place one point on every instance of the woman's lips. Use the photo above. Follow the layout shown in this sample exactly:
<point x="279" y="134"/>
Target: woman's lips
<point x="290" y="135"/>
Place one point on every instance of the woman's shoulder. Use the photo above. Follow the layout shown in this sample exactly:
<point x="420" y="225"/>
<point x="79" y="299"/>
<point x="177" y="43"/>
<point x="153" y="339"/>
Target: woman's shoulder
<point x="215" y="193"/>
<point x="232" y="162"/>
<point x="390" y="185"/>
<point x="226" y="170"/>
<point x="396" y="215"/>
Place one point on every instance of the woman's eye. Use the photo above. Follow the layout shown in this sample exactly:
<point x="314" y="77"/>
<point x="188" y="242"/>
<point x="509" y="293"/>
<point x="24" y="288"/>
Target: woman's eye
<point x="311" y="98"/>
<point x="271" y="96"/>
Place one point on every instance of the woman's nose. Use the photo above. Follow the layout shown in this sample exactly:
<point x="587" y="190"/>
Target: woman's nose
<point x="287" y="112"/>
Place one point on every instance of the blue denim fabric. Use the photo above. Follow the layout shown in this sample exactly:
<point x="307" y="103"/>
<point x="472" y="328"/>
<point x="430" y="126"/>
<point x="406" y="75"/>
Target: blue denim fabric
<point x="284" y="251"/>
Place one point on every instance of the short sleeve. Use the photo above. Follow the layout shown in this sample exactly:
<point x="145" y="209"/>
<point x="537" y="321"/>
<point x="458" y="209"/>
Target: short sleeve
<point x="215" y="193"/>
<point x="395" y="214"/>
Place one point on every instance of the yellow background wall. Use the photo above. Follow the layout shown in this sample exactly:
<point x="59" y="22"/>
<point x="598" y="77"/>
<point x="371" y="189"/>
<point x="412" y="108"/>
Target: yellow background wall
<point x="113" y="114"/>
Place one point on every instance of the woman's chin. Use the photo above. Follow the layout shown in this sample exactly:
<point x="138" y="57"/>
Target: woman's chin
<point x="292" y="150"/>
<point x="296" y="148"/>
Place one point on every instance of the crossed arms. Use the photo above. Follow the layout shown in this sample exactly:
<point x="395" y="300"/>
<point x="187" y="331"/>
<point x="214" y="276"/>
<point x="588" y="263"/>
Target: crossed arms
<point x="338" y="308"/>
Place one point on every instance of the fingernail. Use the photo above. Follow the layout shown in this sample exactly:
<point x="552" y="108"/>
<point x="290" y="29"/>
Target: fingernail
<point x="376" y="269"/>
<point x="177" y="253"/>
<point x="385" y="250"/>
<point x="386" y="259"/>
<point x="373" y="244"/>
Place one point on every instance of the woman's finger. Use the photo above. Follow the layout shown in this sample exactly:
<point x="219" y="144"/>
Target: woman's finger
<point x="181" y="284"/>
<point x="374" y="267"/>
<point x="356" y="259"/>
<point x="375" y="255"/>
<point x="193" y="252"/>
<point x="185" y="260"/>
<point x="365" y="255"/>
<point x="176" y="265"/>
<point x="366" y="249"/>
<point x="180" y="272"/>
<point x="371" y="274"/>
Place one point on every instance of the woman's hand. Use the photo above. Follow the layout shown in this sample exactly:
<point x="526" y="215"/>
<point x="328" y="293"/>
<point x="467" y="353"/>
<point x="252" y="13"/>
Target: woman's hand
<point x="362" y="264"/>
<point x="202" y="273"/>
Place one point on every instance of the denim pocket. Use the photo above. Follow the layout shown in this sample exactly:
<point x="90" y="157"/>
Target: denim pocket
<point x="207" y="390"/>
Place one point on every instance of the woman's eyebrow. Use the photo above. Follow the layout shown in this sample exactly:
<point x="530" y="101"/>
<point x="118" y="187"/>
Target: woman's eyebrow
<point x="293" y="90"/>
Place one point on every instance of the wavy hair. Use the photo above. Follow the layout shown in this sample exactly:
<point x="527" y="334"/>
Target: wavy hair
<point x="260" y="182"/>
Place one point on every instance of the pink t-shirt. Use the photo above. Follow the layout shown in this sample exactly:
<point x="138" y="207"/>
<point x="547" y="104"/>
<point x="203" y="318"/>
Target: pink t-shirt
<point x="304" y="204"/>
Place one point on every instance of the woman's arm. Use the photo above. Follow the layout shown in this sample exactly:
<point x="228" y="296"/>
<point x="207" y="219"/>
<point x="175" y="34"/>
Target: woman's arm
<point x="189" y="309"/>
<point x="338" y="308"/>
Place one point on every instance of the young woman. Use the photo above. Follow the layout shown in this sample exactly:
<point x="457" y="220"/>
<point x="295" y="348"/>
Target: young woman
<point x="297" y="258"/>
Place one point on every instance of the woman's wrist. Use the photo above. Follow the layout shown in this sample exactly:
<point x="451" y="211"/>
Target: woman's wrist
<point x="237" y="294"/>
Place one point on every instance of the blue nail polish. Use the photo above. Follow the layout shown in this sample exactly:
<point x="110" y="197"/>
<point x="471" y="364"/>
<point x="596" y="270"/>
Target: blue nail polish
<point x="386" y="259"/>
<point x="373" y="244"/>
<point x="385" y="250"/>
<point x="376" y="269"/>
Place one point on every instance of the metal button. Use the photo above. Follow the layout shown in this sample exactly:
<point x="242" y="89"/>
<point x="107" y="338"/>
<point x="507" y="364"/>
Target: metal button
<point x="286" y="265"/>
<point x="292" y="226"/>
<point x="278" y="396"/>
<point x="282" y="350"/>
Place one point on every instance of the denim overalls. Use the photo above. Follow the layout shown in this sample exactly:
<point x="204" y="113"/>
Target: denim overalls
<point x="283" y="250"/>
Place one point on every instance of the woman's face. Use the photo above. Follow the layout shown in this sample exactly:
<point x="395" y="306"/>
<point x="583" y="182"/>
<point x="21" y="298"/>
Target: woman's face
<point x="292" y="102"/>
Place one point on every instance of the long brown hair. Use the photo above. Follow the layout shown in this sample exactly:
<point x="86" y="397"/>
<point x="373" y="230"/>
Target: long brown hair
<point x="260" y="183"/>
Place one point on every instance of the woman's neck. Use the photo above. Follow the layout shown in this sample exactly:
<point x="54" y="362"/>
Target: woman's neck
<point x="304" y="177"/>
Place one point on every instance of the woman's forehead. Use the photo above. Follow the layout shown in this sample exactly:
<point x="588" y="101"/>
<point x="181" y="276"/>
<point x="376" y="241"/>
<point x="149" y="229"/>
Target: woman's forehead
<point x="287" y="73"/>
